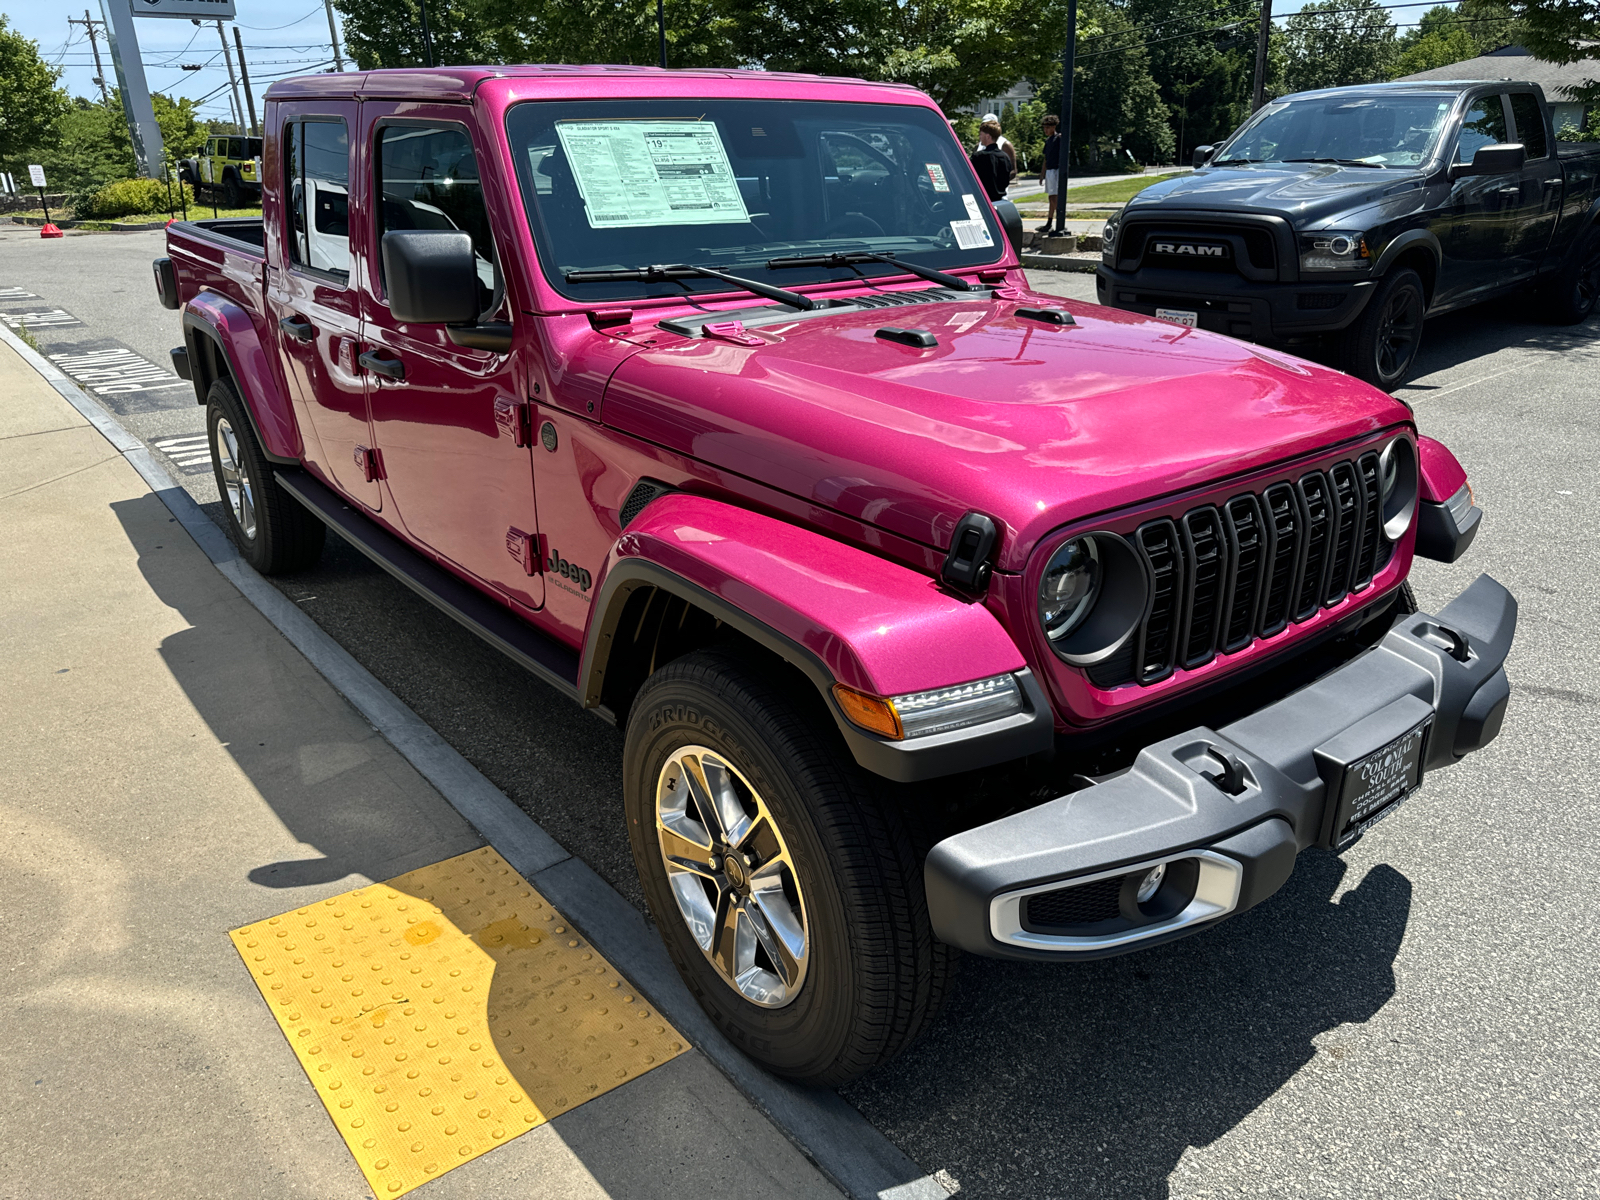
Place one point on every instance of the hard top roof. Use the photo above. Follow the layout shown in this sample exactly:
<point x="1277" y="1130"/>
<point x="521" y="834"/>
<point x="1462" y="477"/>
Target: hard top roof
<point x="459" y="83"/>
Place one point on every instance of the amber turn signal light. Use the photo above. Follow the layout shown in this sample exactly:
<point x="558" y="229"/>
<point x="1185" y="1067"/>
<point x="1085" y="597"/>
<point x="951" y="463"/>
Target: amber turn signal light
<point x="872" y="713"/>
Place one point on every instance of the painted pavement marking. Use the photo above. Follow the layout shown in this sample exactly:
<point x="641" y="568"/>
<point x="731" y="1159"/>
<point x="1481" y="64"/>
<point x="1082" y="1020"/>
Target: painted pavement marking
<point x="49" y="318"/>
<point x="192" y="453"/>
<point x="16" y="293"/>
<point x="115" y="371"/>
<point x="444" y="1012"/>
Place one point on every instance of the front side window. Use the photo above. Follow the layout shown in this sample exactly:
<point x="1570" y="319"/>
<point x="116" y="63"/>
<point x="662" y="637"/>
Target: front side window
<point x="1484" y="125"/>
<point x="734" y="184"/>
<point x="1389" y="129"/>
<point x="317" y="182"/>
<point x="1530" y="123"/>
<point x="428" y="179"/>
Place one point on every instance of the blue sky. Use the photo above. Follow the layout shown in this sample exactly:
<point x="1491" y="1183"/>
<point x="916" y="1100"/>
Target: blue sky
<point x="281" y="37"/>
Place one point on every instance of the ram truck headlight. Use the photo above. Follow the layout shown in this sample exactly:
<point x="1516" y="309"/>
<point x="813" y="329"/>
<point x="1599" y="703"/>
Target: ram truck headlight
<point x="1334" y="250"/>
<point x="939" y="710"/>
<point x="1108" y="238"/>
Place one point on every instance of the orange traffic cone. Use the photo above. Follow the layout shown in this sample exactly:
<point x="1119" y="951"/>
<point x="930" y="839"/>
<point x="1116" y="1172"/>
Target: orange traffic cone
<point x="49" y="230"/>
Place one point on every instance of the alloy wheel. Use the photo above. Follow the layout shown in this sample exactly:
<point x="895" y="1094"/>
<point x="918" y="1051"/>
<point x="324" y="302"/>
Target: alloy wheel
<point x="236" y="486"/>
<point x="732" y="876"/>
<point x="1398" y="331"/>
<point x="1588" y="285"/>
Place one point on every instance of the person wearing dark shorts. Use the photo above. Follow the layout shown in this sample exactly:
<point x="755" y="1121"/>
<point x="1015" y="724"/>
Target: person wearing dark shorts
<point x="1050" y="174"/>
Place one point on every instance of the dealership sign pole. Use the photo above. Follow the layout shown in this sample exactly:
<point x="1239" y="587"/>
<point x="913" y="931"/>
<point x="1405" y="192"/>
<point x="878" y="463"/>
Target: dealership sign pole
<point x="148" y="152"/>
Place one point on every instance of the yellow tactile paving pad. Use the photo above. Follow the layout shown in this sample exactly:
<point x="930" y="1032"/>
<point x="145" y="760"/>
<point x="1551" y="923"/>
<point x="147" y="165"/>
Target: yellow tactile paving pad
<point x="442" y="1013"/>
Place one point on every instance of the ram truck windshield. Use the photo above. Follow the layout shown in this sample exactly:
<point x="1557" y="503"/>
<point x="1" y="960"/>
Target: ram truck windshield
<point x="1377" y="130"/>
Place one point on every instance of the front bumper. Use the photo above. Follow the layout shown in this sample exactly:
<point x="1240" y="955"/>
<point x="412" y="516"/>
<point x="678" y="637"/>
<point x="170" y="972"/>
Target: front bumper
<point x="1224" y="812"/>
<point x="1257" y="310"/>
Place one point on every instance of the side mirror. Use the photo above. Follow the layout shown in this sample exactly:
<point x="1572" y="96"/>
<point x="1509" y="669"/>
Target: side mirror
<point x="1011" y="222"/>
<point x="1201" y="153"/>
<point x="1493" y="160"/>
<point x="431" y="276"/>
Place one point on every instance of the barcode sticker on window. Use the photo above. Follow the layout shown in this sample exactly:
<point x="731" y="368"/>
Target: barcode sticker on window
<point x="971" y="235"/>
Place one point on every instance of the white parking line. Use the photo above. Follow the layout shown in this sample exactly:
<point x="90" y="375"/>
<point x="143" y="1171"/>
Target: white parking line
<point x="48" y="318"/>
<point x="189" y="451"/>
<point x="16" y="293"/>
<point x="116" y="371"/>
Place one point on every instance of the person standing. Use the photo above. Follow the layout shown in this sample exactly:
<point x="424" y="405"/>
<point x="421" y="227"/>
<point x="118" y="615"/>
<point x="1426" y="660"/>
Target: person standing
<point x="1002" y="141"/>
<point x="990" y="162"/>
<point x="1050" y="174"/>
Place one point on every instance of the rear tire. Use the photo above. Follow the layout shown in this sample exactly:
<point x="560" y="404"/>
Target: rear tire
<point x="858" y="973"/>
<point x="273" y="531"/>
<point x="231" y="196"/>
<point x="1381" y="346"/>
<point x="1571" y="296"/>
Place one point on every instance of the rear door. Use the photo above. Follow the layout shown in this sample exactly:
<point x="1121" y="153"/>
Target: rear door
<point x="311" y="292"/>
<point x="453" y="424"/>
<point x="1539" y="186"/>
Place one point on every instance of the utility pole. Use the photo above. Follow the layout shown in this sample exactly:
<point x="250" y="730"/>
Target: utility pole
<point x="333" y="36"/>
<point x="1261" y="55"/>
<point x="244" y="76"/>
<point x="233" y="82"/>
<point x="661" y="30"/>
<point x="427" y="37"/>
<point x="143" y="132"/>
<point x="94" y="44"/>
<point x="1069" y="60"/>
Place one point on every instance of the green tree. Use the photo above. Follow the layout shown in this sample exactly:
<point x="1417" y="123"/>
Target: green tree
<point x="1563" y="31"/>
<point x="1203" y="64"/>
<point x="91" y="146"/>
<point x="30" y="101"/>
<point x="1450" y="35"/>
<point x="1333" y="43"/>
<point x="1116" y="103"/>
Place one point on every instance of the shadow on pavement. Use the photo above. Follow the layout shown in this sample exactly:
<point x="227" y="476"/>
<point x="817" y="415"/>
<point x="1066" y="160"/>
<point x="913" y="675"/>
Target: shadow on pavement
<point x="1091" y="1080"/>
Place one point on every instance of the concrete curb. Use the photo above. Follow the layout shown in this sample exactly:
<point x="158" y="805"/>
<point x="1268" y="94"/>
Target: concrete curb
<point x="845" y="1147"/>
<point x="1055" y="262"/>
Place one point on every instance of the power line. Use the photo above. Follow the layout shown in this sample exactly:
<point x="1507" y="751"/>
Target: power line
<point x="270" y="28"/>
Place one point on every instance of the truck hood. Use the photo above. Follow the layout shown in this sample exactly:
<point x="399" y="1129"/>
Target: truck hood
<point x="1036" y="425"/>
<point x="1309" y="194"/>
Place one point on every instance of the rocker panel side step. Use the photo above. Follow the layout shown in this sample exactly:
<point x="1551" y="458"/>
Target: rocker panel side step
<point x="545" y="657"/>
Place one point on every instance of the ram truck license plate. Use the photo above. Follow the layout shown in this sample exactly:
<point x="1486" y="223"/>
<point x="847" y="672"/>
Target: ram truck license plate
<point x="1182" y="316"/>
<point x="1374" y="786"/>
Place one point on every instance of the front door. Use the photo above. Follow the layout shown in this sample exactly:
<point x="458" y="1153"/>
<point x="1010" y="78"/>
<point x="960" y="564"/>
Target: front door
<point x="1539" y="186"/>
<point x="452" y="424"/>
<point x="1476" y="227"/>
<point x="313" y="302"/>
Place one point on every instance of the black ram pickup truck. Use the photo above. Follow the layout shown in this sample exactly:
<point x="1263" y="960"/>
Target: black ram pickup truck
<point x="1339" y="219"/>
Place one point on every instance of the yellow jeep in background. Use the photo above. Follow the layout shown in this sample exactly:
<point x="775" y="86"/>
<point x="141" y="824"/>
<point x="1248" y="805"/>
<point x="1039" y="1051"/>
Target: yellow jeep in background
<point x="229" y="163"/>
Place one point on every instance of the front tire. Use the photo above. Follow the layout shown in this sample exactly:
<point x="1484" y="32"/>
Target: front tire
<point x="273" y="531"/>
<point x="783" y="881"/>
<point x="1381" y="346"/>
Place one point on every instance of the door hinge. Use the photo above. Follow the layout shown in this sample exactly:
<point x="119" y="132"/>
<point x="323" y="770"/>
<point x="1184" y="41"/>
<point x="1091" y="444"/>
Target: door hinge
<point x="370" y="462"/>
<point x="524" y="547"/>
<point x="515" y="419"/>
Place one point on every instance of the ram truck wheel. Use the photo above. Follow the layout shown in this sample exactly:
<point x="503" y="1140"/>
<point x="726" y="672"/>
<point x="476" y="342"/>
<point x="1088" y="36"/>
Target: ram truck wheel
<point x="782" y="878"/>
<point x="273" y="531"/>
<point x="1571" y="296"/>
<point x="1382" y="344"/>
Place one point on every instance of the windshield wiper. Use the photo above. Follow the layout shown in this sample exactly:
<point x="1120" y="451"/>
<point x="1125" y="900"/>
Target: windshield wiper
<point x="849" y="258"/>
<point x="1233" y="162"/>
<point x="1343" y="162"/>
<point x="658" y="273"/>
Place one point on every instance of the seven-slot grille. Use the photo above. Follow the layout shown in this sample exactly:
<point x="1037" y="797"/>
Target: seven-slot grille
<point x="1223" y="575"/>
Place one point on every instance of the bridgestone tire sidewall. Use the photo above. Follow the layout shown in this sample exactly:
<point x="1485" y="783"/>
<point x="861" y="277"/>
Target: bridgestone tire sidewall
<point x="805" y="1038"/>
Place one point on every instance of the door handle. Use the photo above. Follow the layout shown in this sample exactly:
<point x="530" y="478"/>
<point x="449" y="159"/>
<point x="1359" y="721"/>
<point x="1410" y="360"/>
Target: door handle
<point x="1511" y="191"/>
<point x="300" y="331"/>
<point x="390" y="368"/>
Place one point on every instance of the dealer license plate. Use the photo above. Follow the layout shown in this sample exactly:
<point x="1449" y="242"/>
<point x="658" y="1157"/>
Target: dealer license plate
<point x="1182" y="316"/>
<point x="1374" y="786"/>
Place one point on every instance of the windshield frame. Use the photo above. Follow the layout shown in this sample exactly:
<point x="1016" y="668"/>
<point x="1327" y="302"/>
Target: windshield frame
<point x="753" y="265"/>
<point x="1430" y="156"/>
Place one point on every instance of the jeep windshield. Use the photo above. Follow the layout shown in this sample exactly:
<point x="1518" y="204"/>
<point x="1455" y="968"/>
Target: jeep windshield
<point x="1378" y="129"/>
<point x="735" y="184"/>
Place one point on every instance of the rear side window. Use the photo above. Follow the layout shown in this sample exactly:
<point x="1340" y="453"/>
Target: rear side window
<point x="317" y="186"/>
<point x="1530" y="123"/>
<point x="1484" y="125"/>
<point x="428" y="179"/>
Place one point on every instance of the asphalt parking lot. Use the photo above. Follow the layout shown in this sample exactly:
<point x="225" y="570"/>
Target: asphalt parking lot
<point x="1415" y="1018"/>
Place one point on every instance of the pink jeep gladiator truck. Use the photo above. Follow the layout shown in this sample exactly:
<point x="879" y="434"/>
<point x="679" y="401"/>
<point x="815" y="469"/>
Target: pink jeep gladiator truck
<point x="938" y="614"/>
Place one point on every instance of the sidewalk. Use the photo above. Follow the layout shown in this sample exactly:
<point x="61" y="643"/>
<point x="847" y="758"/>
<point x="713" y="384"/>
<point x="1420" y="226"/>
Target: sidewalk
<point x="175" y="770"/>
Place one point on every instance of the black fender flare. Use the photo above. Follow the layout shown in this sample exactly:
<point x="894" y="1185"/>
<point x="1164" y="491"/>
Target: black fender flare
<point x="1410" y="240"/>
<point x="195" y="329"/>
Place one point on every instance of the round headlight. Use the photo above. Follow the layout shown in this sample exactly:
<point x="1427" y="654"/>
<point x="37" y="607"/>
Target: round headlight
<point x="1092" y="597"/>
<point x="1070" y="585"/>
<point x="1397" y="487"/>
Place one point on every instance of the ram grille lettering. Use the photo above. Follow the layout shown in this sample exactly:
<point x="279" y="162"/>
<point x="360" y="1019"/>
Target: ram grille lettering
<point x="1191" y="249"/>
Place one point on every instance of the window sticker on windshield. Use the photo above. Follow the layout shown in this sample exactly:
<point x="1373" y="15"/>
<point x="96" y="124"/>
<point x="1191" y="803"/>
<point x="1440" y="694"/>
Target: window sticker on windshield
<point x="640" y="173"/>
<point x="936" y="173"/>
<point x="974" y="213"/>
<point x="971" y="235"/>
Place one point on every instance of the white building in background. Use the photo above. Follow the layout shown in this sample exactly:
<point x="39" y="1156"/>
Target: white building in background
<point x="1515" y="63"/>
